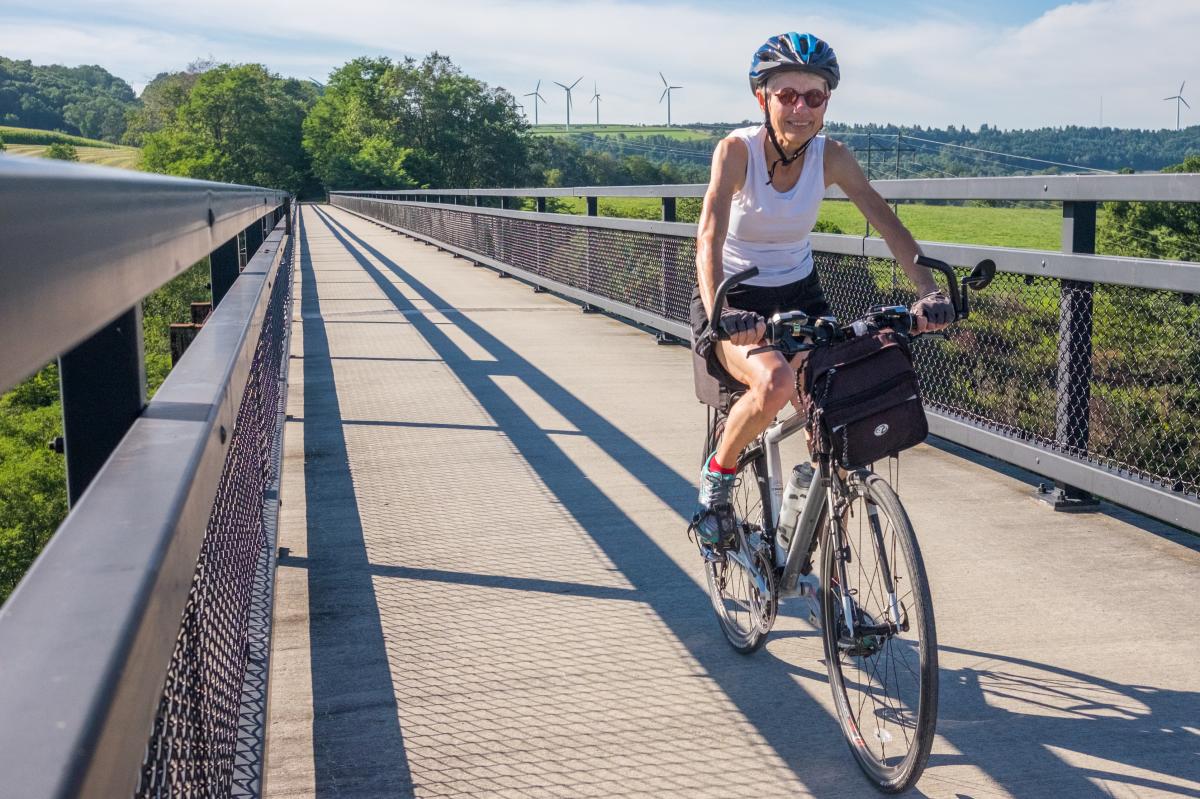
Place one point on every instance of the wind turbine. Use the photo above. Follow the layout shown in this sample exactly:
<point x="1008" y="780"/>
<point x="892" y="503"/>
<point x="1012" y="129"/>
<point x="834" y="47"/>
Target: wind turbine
<point x="1178" y="99"/>
<point x="667" y="93"/>
<point x="567" y="89"/>
<point x="536" y="96"/>
<point x="596" y="99"/>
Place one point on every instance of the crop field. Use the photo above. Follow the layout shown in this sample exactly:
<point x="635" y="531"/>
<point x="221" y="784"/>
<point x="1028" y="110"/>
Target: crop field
<point x="124" y="157"/>
<point x="27" y="141"/>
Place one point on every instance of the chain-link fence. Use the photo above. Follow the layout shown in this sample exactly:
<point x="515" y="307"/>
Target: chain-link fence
<point x="197" y="748"/>
<point x="1107" y="375"/>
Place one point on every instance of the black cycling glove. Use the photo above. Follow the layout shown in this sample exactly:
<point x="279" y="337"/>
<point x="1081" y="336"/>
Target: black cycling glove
<point x="935" y="307"/>
<point x="734" y="321"/>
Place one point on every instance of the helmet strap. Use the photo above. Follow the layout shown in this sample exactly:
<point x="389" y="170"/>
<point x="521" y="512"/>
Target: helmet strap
<point x="783" y="158"/>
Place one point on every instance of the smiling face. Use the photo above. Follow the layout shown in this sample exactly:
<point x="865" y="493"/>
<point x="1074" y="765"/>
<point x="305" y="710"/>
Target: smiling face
<point x="796" y="123"/>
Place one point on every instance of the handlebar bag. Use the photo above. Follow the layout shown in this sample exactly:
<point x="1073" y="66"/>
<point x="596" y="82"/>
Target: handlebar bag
<point x="863" y="399"/>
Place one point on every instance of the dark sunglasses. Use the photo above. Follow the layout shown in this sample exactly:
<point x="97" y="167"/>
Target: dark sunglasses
<point x="813" y="98"/>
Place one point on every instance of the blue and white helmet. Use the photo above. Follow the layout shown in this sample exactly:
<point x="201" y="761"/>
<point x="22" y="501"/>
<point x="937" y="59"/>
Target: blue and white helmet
<point x="798" y="52"/>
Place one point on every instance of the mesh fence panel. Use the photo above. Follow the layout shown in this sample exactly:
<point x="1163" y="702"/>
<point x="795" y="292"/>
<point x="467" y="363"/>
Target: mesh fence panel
<point x="1103" y="373"/>
<point x="194" y="742"/>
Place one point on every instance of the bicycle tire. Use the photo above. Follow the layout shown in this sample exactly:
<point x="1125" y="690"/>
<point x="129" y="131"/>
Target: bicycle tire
<point x="735" y="599"/>
<point x="870" y="716"/>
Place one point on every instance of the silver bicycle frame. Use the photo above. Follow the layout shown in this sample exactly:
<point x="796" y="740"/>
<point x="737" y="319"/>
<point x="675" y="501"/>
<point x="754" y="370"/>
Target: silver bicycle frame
<point x="809" y="516"/>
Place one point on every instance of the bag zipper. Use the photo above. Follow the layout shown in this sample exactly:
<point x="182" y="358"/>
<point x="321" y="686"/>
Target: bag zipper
<point x="890" y="383"/>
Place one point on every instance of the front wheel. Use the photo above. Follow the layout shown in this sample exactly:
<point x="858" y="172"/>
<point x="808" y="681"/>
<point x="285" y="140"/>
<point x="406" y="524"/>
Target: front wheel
<point x="884" y="672"/>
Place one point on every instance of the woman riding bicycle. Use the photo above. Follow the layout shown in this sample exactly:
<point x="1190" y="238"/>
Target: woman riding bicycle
<point x="760" y="207"/>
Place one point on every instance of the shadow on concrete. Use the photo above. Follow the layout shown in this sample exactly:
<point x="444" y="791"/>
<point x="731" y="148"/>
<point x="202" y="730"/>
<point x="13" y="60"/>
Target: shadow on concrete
<point x="1011" y="747"/>
<point x="1008" y="716"/>
<point x="358" y="746"/>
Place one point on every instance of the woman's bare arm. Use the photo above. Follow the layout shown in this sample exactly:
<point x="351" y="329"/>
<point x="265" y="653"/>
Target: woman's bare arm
<point x="728" y="173"/>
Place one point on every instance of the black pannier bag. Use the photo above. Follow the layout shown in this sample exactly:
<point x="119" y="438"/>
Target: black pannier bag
<point x="863" y="399"/>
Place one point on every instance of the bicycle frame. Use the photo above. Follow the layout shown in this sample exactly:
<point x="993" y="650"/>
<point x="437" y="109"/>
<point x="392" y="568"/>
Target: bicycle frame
<point x="814" y="504"/>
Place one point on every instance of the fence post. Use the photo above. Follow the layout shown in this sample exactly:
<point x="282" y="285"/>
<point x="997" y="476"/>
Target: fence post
<point x="254" y="238"/>
<point x="541" y="204"/>
<point x="103" y="387"/>
<point x="592" y="206"/>
<point x="1072" y="421"/>
<point x="668" y="272"/>
<point x="223" y="269"/>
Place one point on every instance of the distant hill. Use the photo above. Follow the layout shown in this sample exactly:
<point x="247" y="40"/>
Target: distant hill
<point x="924" y="152"/>
<point x="84" y="101"/>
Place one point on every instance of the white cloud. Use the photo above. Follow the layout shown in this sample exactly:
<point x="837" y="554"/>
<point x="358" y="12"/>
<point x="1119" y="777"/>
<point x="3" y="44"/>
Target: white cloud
<point x="931" y="71"/>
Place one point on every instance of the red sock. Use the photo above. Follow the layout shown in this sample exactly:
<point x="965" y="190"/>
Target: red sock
<point x="713" y="466"/>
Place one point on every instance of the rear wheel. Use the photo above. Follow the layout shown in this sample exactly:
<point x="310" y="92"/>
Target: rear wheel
<point x="884" y="674"/>
<point x="745" y="600"/>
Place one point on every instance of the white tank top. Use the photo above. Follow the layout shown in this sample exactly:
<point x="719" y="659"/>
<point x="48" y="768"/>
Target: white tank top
<point x="767" y="228"/>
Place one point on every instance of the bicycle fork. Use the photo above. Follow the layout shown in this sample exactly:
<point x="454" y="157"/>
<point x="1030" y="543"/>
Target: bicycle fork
<point x="866" y="625"/>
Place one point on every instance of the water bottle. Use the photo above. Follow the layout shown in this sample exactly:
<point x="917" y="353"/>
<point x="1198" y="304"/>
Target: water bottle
<point x="794" y="494"/>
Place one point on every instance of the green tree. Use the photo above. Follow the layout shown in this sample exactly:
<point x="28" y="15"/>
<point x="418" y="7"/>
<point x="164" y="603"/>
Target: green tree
<point x="33" y="497"/>
<point x="86" y="101"/>
<point x="239" y="124"/>
<point x="385" y="124"/>
<point x="1154" y="230"/>
<point x="61" y="151"/>
<point x="160" y="101"/>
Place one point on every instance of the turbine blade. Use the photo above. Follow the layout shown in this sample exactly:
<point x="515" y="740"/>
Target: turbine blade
<point x="543" y="99"/>
<point x="568" y="88"/>
<point x="539" y="86"/>
<point x="676" y="87"/>
<point x="664" y="94"/>
<point x="664" y="80"/>
<point x="1185" y="102"/>
<point x="1181" y="86"/>
<point x="576" y="81"/>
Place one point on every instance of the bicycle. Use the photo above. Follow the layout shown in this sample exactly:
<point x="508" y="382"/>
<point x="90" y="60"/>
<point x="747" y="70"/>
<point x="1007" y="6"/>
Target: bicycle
<point x="875" y="609"/>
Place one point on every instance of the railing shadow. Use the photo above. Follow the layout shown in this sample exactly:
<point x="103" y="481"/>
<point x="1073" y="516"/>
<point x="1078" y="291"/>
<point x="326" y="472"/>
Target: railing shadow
<point x="358" y="745"/>
<point x="1021" y="721"/>
<point x="763" y="688"/>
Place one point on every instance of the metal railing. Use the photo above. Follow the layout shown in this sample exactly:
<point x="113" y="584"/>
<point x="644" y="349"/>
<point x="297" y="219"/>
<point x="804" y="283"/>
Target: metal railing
<point x="131" y="654"/>
<point x="1078" y="367"/>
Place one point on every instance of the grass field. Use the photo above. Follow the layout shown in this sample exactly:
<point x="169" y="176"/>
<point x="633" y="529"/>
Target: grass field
<point x="1031" y="228"/>
<point x="27" y="141"/>
<point x="124" y="157"/>
<point x="631" y="131"/>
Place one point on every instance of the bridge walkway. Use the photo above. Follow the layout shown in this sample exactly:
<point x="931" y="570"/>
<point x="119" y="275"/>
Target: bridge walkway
<point x="484" y="586"/>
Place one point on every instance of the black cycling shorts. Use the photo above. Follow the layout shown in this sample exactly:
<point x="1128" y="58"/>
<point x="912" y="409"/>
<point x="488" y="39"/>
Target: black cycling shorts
<point x="803" y="295"/>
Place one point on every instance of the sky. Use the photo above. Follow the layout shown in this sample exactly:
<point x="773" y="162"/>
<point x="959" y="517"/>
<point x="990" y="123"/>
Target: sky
<point x="1013" y="64"/>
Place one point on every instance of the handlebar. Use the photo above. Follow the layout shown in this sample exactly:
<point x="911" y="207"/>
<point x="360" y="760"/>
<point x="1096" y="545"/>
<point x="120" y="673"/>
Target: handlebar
<point x="797" y="332"/>
<point x="714" y="319"/>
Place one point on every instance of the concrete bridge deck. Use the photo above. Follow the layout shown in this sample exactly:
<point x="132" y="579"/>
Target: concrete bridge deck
<point x="485" y="588"/>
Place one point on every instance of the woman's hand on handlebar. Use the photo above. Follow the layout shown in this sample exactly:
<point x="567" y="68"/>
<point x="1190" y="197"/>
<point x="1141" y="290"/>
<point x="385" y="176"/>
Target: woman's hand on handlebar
<point x="932" y="312"/>
<point x="742" y="328"/>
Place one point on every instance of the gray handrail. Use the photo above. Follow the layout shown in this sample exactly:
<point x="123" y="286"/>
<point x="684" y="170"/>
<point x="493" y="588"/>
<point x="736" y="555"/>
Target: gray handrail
<point x="80" y="245"/>
<point x="86" y="638"/>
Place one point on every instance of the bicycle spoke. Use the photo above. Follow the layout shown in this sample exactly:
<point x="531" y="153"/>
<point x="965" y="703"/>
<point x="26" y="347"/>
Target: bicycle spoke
<point x="883" y="676"/>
